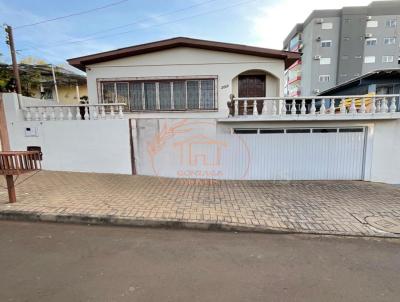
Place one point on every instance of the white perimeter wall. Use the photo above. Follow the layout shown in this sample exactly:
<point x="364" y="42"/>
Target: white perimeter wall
<point x="101" y="146"/>
<point x="382" y="149"/>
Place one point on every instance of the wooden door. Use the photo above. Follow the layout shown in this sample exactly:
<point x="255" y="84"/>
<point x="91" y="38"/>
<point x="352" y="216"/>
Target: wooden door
<point x="251" y="86"/>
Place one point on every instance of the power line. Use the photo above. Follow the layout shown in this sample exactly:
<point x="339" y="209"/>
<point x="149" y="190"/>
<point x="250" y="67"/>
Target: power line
<point x="128" y="24"/>
<point x="155" y="25"/>
<point x="71" y="15"/>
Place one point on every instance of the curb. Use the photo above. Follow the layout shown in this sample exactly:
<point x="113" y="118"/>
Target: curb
<point x="168" y="224"/>
<point x="132" y="222"/>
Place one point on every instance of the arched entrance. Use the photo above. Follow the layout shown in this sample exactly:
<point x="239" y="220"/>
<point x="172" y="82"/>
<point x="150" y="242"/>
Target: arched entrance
<point x="254" y="83"/>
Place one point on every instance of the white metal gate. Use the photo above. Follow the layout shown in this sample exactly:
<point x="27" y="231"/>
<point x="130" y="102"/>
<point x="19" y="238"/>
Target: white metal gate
<point x="300" y="154"/>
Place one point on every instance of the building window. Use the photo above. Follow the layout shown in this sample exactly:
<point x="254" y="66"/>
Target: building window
<point x="347" y="20"/>
<point x="326" y="43"/>
<point x="190" y="94"/>
<point x="346" y="39"/>
<point x="391" y="23"/>
<point x="327" y="25"/>
<point x="345" y="57"/>
<point x="371" y="41"/>
<point x="325" y="61"/>
<point x="369" y="59"/>
<point x="324" y="78"/>
<point x="357" y="57"/>
<point x="389" y="40"/>
<point x="387" y="59"/>
<point x="372" y="23"/>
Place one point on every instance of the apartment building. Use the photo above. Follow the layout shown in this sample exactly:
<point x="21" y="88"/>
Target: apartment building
<point x="341" y="44"/>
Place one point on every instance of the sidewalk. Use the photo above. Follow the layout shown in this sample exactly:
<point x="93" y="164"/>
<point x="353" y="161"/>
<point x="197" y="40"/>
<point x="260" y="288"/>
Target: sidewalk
<point x="321" y="207"/>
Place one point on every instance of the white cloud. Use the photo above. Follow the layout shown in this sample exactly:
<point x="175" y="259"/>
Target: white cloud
<point x="274" y="22"/>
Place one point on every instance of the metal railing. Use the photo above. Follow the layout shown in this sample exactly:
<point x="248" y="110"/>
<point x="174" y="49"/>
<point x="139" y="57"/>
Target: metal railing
<point x="74" y="112"/>
<point x="314" y="105"/>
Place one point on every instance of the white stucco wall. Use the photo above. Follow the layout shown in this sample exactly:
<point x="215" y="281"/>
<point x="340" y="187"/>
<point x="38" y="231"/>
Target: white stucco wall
<point x="101" y="146"/>
<point x="189" y="62"/>
<point x="385" y="157"/>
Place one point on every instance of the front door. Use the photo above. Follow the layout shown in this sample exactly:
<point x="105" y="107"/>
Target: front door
<point x="251" y="86"/>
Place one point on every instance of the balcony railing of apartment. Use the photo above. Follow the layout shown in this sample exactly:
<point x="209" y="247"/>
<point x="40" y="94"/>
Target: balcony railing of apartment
<point x="354" y="106"/>
<point x="74" y="112"/>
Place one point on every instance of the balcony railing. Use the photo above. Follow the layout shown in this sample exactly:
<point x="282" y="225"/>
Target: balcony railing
<point x="74" y="112"/>
<point x="317" y="106"/>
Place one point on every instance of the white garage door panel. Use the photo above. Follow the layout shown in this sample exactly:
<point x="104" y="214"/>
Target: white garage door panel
<point x="304" y="156"/>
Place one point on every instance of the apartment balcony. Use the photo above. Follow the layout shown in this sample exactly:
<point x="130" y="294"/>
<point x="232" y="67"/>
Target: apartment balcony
<point x="306" y="108"/>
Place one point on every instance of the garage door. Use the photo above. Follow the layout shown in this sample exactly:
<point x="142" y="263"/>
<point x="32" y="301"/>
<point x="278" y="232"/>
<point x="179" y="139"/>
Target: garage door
<point x="305" y="153"/>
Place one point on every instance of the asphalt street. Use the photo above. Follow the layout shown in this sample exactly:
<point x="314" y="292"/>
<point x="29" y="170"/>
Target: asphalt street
<point x="61" y="262"/>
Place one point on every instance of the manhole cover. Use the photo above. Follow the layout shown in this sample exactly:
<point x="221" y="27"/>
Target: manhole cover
<point x="386" y="224"/>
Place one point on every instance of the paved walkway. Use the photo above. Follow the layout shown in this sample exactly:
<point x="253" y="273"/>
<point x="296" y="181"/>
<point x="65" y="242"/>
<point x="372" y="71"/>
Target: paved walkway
<point x="334" y="207"/>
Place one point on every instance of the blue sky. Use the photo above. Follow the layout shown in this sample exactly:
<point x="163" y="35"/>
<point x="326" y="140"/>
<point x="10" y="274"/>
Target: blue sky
<point x="254" y="22"/>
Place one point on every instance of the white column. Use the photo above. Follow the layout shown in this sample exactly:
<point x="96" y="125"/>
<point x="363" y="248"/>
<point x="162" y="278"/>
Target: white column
<point x="120" y="112"/>
<point x="313" y="109"/>
<point x="353" y="109"/>
<point x="52" y="113"/>
<point x="378" y="106"/>
<point x="373" y="105"/>
<point x="322" y="109"/>
<point x="112" y="114"/>
<point x="28" y="114"/>
<point x="293" y="109"/>
<point x="264" y="108"/>
<point x="393" y="105"/>
<point x="274" y="107"/>
<point x="303" y="109"/>
<point x="93" y="111"/>
<point x="245" y="107"/>
<point x="44" y="113"/>
<point x="343" y="106"/>
<point x="86" y="115"/>
<point x="103" y="112"/>
<point x="235" y="108"/>
<point x="363" y="108"/>
<point x="78" y="113"/>
<point x="255" y="108"/>
<point x="384" y="106"/>
<point x="69" y="113"/>
<point x="283" y="107"/>
<point x="332" y="107"/>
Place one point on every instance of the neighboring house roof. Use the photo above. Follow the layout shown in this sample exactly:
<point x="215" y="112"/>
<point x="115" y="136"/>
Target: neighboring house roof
<point x="82" y="62"/>
<point x="377" y="74"/>
<point x="63" y="76"/>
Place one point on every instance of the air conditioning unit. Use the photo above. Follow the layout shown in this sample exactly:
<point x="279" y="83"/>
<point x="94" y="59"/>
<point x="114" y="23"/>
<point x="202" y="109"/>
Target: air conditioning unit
<point x="317" y="57"/>
<point x="318" y="39"/>
<point x="319" y="21"/>
<point x="369" y="17"/>
<point x="315" y="90"/>
<point x="368" y="35"/>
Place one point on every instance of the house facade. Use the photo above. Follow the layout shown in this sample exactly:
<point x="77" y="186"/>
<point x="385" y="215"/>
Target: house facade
<point x="183" y="75"/>
<point x="190" y="108"/>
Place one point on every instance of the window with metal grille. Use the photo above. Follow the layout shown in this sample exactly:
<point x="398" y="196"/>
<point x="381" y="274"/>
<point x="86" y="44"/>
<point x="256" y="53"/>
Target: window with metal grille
<point x="196" y="94"/>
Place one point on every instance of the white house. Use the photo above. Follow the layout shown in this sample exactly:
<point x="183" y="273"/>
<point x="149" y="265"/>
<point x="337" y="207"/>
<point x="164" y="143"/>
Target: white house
<point x="202" y="109"/>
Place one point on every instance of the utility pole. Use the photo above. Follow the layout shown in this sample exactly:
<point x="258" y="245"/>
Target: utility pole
<point x="10" y="42"/>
